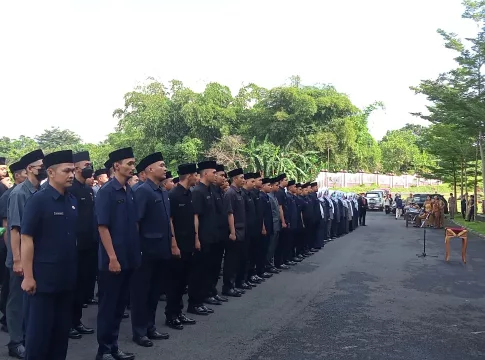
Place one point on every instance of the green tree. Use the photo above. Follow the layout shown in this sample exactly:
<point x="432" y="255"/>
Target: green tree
<point x="55" y="139"/>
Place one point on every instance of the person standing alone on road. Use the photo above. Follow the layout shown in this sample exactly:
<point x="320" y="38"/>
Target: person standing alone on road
<point x="362" y="209"/>
<point x="452" y="205"/>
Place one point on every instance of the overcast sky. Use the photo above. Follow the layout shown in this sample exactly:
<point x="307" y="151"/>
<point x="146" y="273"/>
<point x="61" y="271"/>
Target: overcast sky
<point x="69" y="63"/>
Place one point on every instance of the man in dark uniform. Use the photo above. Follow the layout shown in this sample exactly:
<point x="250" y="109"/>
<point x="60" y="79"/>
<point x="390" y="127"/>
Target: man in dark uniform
<point x="119" y="252"/>
<point x="185" y="242"/>
<point x="4" y="178"/>
<point x="308" y="219"/>
<point x="289" y="255"/>
<point x="155" y="241"/>
<point x="167" y="183"/>
<point x="206" y="226"/>
<point x="141" y="175"/>
<point x="87" y="241"/>
<point x="267" y="229"/>
<point x="19" y="174"/>
<point x="300" y="230"/>
<point x="101" y="176"/>
<point x="15" y="208"/>
<point x="222" y="232"/>
<point x="243" y="281"/>
<point x="49" y="261"/>
<point x="273" y="241"/>
<point x="282" y="247"/>
<point x="362" y="209"/>
<point x="236" y="216"/>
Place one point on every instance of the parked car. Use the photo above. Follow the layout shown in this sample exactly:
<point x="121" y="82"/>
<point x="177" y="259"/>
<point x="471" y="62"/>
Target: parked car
<point x="419" y="199"/>
<point x="375" y="201"/>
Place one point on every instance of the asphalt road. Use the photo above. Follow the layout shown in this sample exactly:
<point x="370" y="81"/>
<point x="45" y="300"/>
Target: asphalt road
<point x="365" y="296"/>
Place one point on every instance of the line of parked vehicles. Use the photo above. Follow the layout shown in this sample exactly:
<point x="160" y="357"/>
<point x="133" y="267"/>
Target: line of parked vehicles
<point x="375" y="200"/>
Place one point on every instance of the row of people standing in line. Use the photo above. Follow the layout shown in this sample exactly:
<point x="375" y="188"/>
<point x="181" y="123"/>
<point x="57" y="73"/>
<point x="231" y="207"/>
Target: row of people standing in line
<point x="260" y="231"/>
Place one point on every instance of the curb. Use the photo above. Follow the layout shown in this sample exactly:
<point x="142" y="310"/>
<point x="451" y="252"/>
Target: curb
<point x="469" y="230"/>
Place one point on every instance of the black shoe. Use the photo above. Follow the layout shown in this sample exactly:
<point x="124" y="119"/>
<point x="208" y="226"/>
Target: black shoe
<point x="244" y="286"/>
<point x="163" y="297"/>
<point x="186" y="320"/>
<point x="251" y="284"/>
<point x="284" y="267"/>
<point x="212" y="301"/>
<point x="105" y="357"/>
<point x="197" y="310"/>
<point x="290" y="263"/>
<point x="156" y="335"/>
<point x="301" y="257"/>
<point x="265" y="275"/>
<point x="174" y="323"/>
<point x="231" y="292"/>
<point x="240" y="291"/>
<point x="221" y="298"/>
<point x="209" y="310"/>
<point x="126" y="315"/>
<point x="83" y="329"/>
<point x="258" y="279"/>
<point x="296" y="259"/>
<point x="313" y="250"/>
<point x="74" y="334"/>
<point x="273" y="271"/>
<point x="120" y="355"/>
<point x="85" y="306"/>
<point x="143" y="341"/>
<point x="92" y="302"/>
<point x="17" y="351"/>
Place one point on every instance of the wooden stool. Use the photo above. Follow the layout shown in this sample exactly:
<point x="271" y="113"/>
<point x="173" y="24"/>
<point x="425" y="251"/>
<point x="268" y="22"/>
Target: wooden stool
<point x="457" y="232"/>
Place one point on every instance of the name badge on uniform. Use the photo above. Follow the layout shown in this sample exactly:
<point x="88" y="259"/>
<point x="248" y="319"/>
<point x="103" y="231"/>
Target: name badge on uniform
<point x="121" y="201"/>
<point x="58" y="213"/>
<point x="181" y="204"/>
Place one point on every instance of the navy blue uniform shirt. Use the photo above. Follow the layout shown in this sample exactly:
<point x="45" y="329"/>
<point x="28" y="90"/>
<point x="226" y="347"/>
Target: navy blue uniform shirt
<point x="182" y="213"/>
<point x="251" y="216"/>
<point x="154" y="224"/>
<point x="86" y="231"/>
<point x="292" y="211"/>
<point x="300" y="204"/>
<point x="116" y="209"/>
<point x="234" y="204"/>
<point x="205" y="208"/>
<point x="50" y="218"/>
<point x="222" y="222"/>
<point x="266" y="213"/>
<point x="283" y="202"/>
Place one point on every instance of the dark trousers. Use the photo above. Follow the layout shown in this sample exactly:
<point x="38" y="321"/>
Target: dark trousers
<point x="273" y="243"/>
<point x="262" y="253"/>
<point x="213" y="266"/>
<point x="335" y="227"/>
<point x="362" y="214"/>
<point x="471" y="214"/>
<point x="114" y="292"/>
<point x="253" y="253"/>
<point x="15" y="310"/>
<point x="463" y="212"/>
<point x="86" y="276"/>
<point x="243" y="262"/>
<point x="233" y="251"/>
<point x="47" y="325"/>
<point x="145" y="292"/>
<point x="329" y="228"/>
<point x="321" y="234"/>
<point x="282" y="249"/>
<point x="91" y="269"/>
<point x="186" y="270"/>
<point x="3" y="257"/>
<point x="4" y="295"/>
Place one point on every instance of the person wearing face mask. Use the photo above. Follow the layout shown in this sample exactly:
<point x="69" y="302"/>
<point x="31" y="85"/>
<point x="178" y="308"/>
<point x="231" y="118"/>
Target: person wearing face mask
<point x="18" y="171"/>
<point x="36" y="172"/>
<point x="87" y="244"/>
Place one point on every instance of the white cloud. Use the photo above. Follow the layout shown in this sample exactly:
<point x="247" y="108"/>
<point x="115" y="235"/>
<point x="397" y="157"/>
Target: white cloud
<point x="69" y="64"/>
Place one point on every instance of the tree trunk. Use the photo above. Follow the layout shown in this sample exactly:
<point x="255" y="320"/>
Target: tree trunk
<point x="461" y="180"/>
<point x="475" y="183"/>
<point x="454" y="182"/>
<point x="482" y="157"/>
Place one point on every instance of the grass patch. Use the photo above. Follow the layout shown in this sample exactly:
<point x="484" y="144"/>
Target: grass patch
<point x="477" y="226"/>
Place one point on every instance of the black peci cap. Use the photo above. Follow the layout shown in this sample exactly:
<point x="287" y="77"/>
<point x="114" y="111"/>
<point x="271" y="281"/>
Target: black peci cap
<point x="266" y="181"/>
<point x="2" y="160"/>
<point x="248" y="176"/>
<point x="168" y="175"/>
<point x="81" y="156"/>
<point x="185" y="169"/>
<point x="121" y="154"/>
<point x="313" y="184"/>
<point x="100" y="172"/>
<point x="32" y="157"/>
<point x="220" y="167"/>
<point x="108" y="164"/>
<point x="148" y="160"/>
<point x="204" y="165"/>
<point x="176" y="180"/>
<point x="235" y="172"/>
<point x="16" y="166"/>
<point x="291" y="183"/>
<point x="58" y="157"/>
